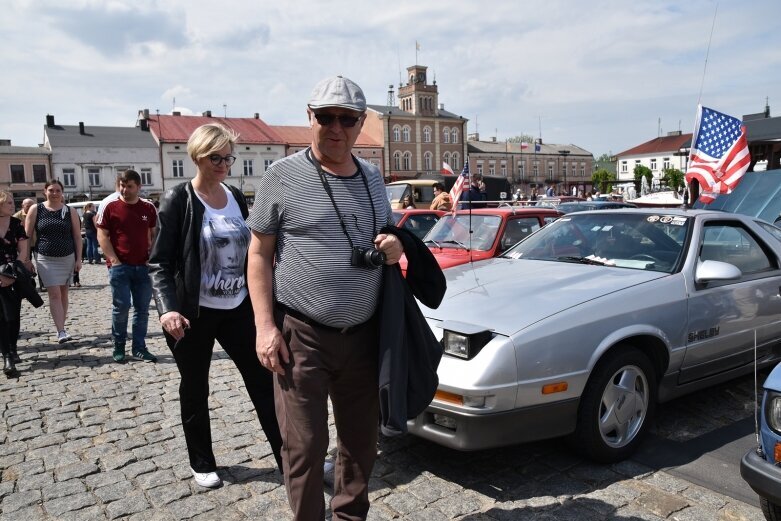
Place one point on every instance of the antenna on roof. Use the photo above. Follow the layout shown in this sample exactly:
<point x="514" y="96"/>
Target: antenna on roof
<point x="174" y="105"/>
<point x="225" y="110"/>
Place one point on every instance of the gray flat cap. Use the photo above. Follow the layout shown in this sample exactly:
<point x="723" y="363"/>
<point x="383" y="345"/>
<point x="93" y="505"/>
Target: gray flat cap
<point x="338" y="92"/>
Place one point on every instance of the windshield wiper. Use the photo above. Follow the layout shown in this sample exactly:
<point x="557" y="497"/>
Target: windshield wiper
<point x="453" y="241"/>
<point x="586" y="260"/>
<point x="434" y="242"/>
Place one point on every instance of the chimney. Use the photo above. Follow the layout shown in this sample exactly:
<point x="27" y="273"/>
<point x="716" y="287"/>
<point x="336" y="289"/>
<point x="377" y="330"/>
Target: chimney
<point x="5" y="142"/>
<point x="81" y="128"/>
<point x="675" y="133"/>
<point x="176" y="113"/>
<point x="493" y="139"/>
<point x="207" y="114"/>
<point x="441" y="106"/>
<point x="49" y="120"/>
<point x="146" y="113"/>
<point x="145" y="125"/>
<point x="257" y="115"/>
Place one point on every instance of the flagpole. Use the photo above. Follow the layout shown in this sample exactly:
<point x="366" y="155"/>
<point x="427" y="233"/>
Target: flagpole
<point x="707" y="53"/>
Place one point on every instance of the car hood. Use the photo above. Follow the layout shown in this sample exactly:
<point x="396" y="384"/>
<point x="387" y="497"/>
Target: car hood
<point x="508" y="295"/>
<point x="449" y="257"/>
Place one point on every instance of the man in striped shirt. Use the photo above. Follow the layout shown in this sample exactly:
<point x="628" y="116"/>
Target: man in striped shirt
<point x="314" y="275"/>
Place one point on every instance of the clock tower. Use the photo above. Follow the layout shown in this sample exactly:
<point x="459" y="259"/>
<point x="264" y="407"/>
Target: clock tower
<point x="417" y="96"/>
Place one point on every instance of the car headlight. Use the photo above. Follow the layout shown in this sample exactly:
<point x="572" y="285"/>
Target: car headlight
<point x="465" y="341"/>
<point x="773" y="411"/>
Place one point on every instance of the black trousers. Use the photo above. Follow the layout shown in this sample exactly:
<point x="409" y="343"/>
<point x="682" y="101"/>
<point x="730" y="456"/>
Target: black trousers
<point x="10" y="311"/>
<point x="234" y="329"/>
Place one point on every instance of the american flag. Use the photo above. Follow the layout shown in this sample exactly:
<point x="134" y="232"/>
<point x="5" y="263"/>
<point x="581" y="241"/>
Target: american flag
<point x="719" y="156"/>
<point x="458" y="186"/>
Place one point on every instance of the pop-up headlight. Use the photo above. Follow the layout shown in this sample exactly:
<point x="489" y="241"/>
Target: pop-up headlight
<point x="464" y="340"/>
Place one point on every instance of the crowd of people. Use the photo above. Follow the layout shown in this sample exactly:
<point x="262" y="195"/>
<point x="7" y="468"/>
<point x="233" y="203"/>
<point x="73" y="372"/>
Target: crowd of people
<point x="290" y="289"/>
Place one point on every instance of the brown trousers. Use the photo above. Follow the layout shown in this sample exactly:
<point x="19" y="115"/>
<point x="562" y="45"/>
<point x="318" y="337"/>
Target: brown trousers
<point x="327" y="362"/>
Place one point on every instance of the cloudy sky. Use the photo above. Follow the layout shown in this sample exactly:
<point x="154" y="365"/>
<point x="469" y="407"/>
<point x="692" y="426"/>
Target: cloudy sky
<point x="600" y="74"/>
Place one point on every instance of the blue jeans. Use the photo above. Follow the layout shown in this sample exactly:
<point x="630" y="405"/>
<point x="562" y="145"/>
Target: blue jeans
<point x="130" y="282"/>
<point x="92" y="246"/>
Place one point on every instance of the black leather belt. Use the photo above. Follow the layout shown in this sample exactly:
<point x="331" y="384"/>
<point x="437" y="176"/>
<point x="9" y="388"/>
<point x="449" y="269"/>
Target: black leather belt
<point x="310" y="322"/>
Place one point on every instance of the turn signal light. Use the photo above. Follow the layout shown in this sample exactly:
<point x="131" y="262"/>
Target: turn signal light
<point x="558" y="387"/>
<point x="777" y="452"/>
<point x="445" y="396"/>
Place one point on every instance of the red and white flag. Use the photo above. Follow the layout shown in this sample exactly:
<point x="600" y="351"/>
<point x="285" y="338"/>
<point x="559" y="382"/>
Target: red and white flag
<point x="458" y="186"/>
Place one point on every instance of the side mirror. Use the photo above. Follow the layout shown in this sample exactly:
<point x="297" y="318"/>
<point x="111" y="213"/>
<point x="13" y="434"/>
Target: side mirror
<point x="710" y="271"/>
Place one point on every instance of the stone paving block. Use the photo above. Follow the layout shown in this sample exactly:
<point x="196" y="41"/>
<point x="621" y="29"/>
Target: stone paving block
<point x="14" y="447"/>
<point x="161" y="496"/>
<point x="104" y="478"/>
<point x="138" y="468"/>
<point x="24" y="435"/>
<point x="23" y="468"/>
<point x="92" y="513"/>
<point x="661" y="503"/>
<point x="666" y="482"/>
<point x="76" y="470"/>
<point x="191" y="506"/>
<point x="221" y="514"/>
<point x="6" y="488"/>
<point x="114" y="491"/>
<point x="705" y="497"/>
<point x="65" y="488"/>
<point x="127" y="506"/>
<point x="57" y="507"/>
<point x="737" y="511"/>
<point x="33" y="513"/>
<point x="156" y="479"/>
<point x="17" y="500"/>
<point x="117" y="460"/>
<point x="404" y="503"/>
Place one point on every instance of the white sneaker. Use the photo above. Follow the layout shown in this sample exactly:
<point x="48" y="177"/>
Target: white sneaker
<point x="207" y="479"/>
<point x="63" y="337"/>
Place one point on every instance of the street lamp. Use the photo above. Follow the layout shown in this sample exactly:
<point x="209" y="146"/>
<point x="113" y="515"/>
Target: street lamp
<point x="564" y="154"/>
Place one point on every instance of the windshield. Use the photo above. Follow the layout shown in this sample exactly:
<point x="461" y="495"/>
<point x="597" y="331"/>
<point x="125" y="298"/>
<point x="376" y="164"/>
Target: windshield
<point x="397" y="217"/>
<point x="453" y="232"/>
<point x="395" y="192"/>
<point x="638" y="241"/>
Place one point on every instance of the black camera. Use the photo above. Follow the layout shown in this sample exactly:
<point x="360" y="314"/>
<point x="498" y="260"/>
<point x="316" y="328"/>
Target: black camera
<point x="367" y="258"/>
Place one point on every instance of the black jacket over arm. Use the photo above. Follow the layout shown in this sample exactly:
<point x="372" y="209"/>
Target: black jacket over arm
<point x="175" y="261"/>
<point x="409" y="352"/>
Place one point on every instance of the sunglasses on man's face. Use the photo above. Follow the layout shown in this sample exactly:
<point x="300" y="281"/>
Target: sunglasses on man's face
<point x="216" y="159"/>
<point x="345" y="121"/>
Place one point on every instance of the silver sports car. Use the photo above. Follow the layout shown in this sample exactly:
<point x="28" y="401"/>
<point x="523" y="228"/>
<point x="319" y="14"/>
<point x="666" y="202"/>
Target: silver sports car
<point x="584" y="326"/>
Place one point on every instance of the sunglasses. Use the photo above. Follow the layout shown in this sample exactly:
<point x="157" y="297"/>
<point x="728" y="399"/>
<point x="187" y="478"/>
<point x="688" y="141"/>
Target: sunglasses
<point x="216" y="159"/>
<point x="345" y="121"/>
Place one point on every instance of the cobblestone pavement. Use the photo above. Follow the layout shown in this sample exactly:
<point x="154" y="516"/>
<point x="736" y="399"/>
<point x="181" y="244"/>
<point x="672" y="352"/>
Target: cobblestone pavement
<point x="85" y="438"/>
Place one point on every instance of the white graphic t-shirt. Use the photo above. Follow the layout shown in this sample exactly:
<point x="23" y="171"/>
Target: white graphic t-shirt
<point x="224" y="242"/>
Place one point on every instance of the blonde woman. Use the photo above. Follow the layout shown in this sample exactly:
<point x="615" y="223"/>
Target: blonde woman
<point x="198" y="268"/>
<point x="58" y="240"/>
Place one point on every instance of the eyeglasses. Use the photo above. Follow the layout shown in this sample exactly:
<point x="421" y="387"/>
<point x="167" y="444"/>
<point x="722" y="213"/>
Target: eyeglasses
<point x="345" y="121"/>
<point x="216" y="159"/>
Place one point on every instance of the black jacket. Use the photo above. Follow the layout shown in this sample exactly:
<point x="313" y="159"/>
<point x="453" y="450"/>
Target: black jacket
<point x="175" y="261"/>
<point x="24" y="283"/>
<point x="409" y="353"/>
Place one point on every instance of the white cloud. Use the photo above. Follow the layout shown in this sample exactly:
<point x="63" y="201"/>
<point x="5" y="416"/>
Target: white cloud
<point x="597" y="74"/>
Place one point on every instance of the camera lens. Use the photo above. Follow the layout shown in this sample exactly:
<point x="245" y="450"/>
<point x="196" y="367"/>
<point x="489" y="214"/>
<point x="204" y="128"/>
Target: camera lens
<point x="374" y="258"/>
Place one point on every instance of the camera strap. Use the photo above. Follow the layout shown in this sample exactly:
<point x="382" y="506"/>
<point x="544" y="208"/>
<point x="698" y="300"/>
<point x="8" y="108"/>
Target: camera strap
<point x="321" y="173"/>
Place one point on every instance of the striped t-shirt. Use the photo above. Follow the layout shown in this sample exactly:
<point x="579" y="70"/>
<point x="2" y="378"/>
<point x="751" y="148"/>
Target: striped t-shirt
<point x="313" y="274"/>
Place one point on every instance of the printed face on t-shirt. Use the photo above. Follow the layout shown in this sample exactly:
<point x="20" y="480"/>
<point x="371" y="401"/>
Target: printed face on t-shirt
<point x="226" y="246"/>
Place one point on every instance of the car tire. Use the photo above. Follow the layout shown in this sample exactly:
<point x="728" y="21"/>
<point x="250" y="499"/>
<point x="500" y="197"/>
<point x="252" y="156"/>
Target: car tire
<point x="617" y="406"/>
<point x="771" y="510"/>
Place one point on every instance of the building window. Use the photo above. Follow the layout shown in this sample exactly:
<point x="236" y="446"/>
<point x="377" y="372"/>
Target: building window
<point x="146" y="176"/>
<point x="456" y="164"/>
<point x="637" y="162"/>
<point x="248" y="166"/>
<point x="446" y="159"/>
<point x="178" y="165"/>
<point x="564" y="169"/>
<point x="666" y="163"/>
<point x="428" y="160"/>
<point x="491" y="168"/>
<point x="536" y="169"/>
<point x="446" y="135"/>
<point x="480" y="167"/>
<point x="267" y="164"/>
<point x="93" y="174"/>
<point x="624" y="166"/>
<point x="550" y="170"/>
<point x="583" y="170"/>
<point x="69" y="177"/>
<point x="405" y="134"/>
<point x="39" y="173"/>
<point x="397" y="133"/>
<point x="504" y="168"/>
<point x="407" y="160"/>
<point x="454" y="135"/>
<point x="17" y="173"/>
<point x="427" y="134"/>
<point x="397" y="160"/>
<point x="653" y="164"/>
<point x="521" y="169"/>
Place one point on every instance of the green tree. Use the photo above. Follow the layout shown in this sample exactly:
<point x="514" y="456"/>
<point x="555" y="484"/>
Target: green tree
<point x="673" y="177"/>
<point x="604" y="179"/>
<point x="522" y="138"/>
<point x="640" y="172"/>
<point x="605" y="158"/>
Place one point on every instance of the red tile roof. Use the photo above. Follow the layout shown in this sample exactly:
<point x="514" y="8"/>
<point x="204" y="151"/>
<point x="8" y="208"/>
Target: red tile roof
<point x="302" y="136"/>
<point x="177" y="129"/>
<point x="659" y="145"/>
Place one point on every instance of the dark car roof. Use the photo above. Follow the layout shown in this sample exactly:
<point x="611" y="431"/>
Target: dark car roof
<point x="592" y="205"/>
<point x="514" y="210"/>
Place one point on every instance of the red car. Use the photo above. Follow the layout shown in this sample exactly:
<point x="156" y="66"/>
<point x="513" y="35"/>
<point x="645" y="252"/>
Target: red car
<point x="493" y="230"/>
<point x="418" y="222"/>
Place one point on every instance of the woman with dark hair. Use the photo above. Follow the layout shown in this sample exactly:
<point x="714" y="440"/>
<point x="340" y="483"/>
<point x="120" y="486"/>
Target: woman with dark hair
<point x="90" y="233"/>
<point x="13" y="245"/>
<point x="198" y="268"/>
<point x="58" y="240"/>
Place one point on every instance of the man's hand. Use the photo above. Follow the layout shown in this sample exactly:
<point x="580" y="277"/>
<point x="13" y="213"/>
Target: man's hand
<point x="174" y="324"/>
<point x="391" y="246"/>
<point x="271" y="350"/>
